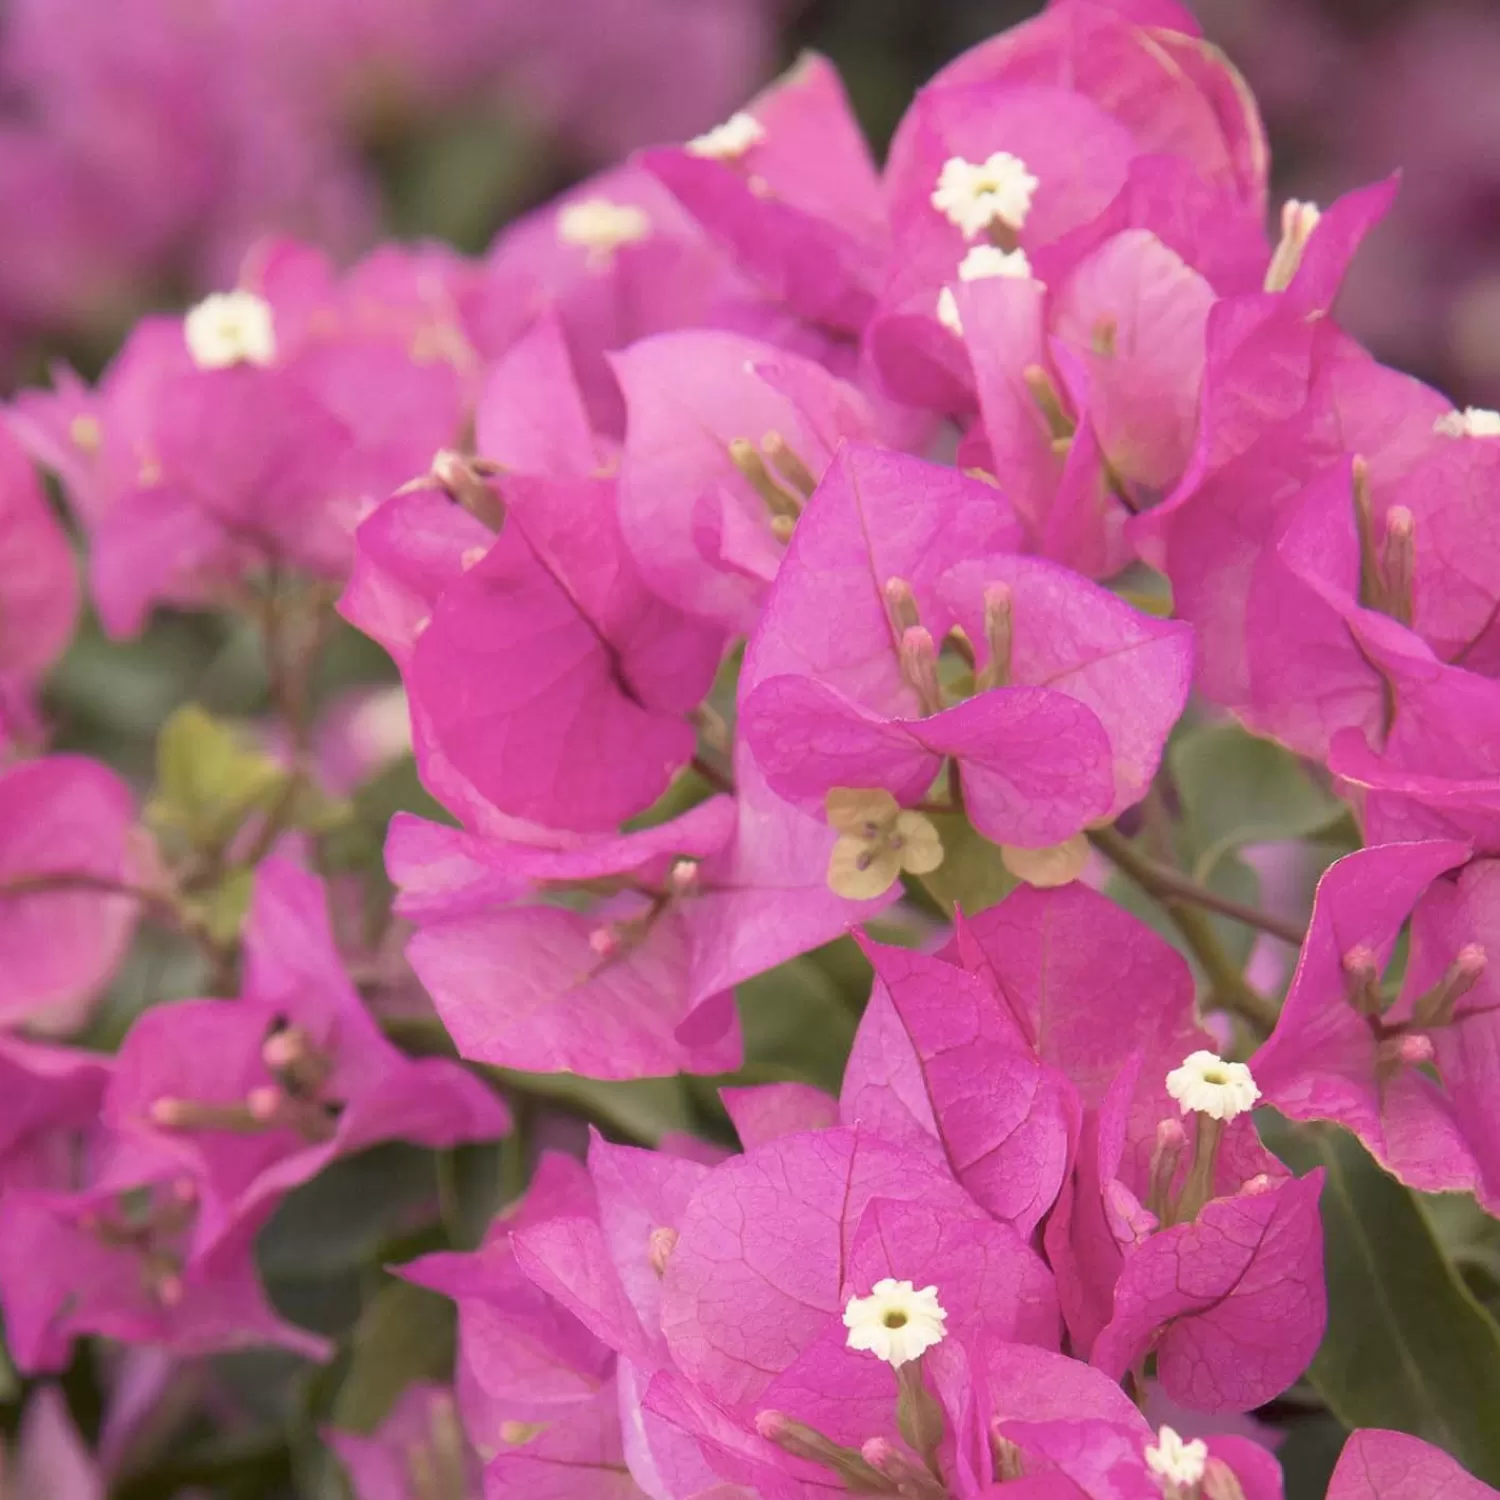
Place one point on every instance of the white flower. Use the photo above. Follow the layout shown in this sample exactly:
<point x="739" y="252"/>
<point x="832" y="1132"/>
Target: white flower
<point x="896" y="1322"/>
<point x="984" y="261"/>
<point x="1208" y="1084"/>
<point x="729" y="141"/>
<point x="980" y="264"/>
<point x="1473" y="421"/>
<point x="975" y="195"/>
<point x="1175" y="1461"/>
<point x="598" y="225"/>
<point x="230" y="328"/>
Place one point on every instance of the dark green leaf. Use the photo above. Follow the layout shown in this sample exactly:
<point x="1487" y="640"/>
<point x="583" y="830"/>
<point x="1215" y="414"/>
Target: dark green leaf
<point x="1408" y="1346"/>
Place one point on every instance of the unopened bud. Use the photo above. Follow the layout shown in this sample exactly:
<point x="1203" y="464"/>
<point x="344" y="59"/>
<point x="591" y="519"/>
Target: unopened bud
<point x="264" y="1103"/>
<point x="1398" y="563"/>
<point x="662" y="1242"/>
<point x="919" y="667"/>
<point x="1059" y="424"/>
<point x="808" y="1443"/>
<point x="901" y="604"/>
<point x="746" y="457"/>
<point x="170" y="1113"/>
<point x="1362" y="979"/>
<point x="1435" y="1008"/>
<point x="788" y="464"/>
<point x="467" y="482"/>
<point x="1298" y="220"/>
<point x="1401" y="1050"/>
<point x="919" y="1414"/>
<point x="1007" y="1458"/>
<point x="1370" y="583"/>
<point x="195" y="1114"/>
<point x="605" y="941"/>
<point x="1219" y="1482"/>
<point x="999" y="610"/>
<point x="1171" y="1142"/>
<point x="910" y="1480"/>
<point x="515" y="1433"/>
<point x="1199" y="1186"/>
<point x="285" y="1047"/>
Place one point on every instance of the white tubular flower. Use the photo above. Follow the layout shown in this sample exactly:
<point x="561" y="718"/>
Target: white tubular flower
<point x="1472" y="421"/>
<point x="1211" y="1086"/>
<point x="982" y="263"/>
<point x="1174" y="1462"/>
<point x="974" y="195"/>
<point x="985" y="261"/>
<point x="729" y="141"/>
<point x="230" y="328"/>
<point x="601" y="227"/>
<point x="896" y="1322"/>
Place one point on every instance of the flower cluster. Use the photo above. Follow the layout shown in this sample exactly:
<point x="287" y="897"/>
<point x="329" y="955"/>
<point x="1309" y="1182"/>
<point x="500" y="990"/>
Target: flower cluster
<point x="122" y="164"/>
<point x="772" y="548"/>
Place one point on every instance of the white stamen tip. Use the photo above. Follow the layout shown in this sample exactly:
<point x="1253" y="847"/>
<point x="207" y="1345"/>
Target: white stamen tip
<point x="1174" y="1461"/>
<point x="974" y="195"/>
<point x="1473" y="421"/>
<point x="601" y="226"/>
<point x="729" y="141"/>
<point x="1207" y="1084"/>
<point x="230" y="328"/>
<point x="1298" y="219"/>
<point x="896" y="1322"/>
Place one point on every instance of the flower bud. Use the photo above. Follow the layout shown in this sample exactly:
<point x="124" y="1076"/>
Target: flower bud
<point x="808" y="1443"/>
<point x="918" y="654"/>
<point x="1435" y="1008"/>
<point x="661" y="1244"/>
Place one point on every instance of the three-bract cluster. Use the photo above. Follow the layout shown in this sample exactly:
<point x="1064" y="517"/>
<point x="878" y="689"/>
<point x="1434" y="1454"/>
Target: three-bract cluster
<point x="751" y="528"/>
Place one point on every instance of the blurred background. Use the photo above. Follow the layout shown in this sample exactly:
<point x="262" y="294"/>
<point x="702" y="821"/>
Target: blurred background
<point x="144" y="144"/>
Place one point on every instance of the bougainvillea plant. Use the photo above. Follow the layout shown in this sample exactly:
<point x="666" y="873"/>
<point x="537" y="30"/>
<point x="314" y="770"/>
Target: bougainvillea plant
<point x="860" y="856"/>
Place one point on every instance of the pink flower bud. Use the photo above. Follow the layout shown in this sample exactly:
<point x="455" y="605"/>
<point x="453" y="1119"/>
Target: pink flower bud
<point x="662" y="1243"/>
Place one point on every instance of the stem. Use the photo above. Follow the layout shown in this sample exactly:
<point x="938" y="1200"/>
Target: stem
<point x="1183" y="899"/>
<point x="1169" y="885"/>
<point x="713" y="776"/>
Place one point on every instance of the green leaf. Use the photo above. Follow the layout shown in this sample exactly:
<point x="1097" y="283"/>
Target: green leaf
<point x="404" y="1334"/>
<point x="1408" y="1346"/>
<point x="1237" y="790"/>
<point x="799" y="1022"/>
<point x="972" y="874"/>
<point x="641" y="1108"/>
<point x="208" y="779"/>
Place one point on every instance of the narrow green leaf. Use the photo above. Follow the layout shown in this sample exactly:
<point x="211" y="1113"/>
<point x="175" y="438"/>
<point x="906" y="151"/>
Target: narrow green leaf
<point x="1408" y="1346"/>
<point x="405" y="1334"/>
